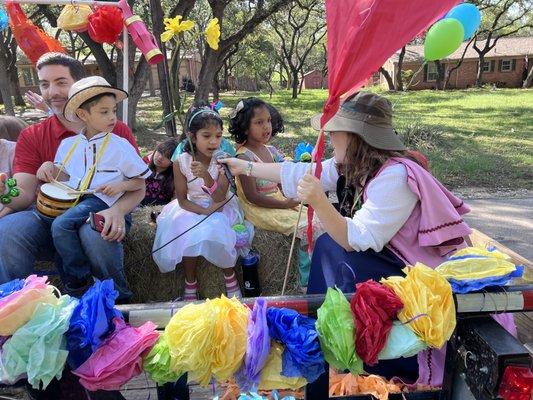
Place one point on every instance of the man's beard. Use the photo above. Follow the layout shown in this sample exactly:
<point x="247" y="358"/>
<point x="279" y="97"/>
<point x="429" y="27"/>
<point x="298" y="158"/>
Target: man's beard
<point x="53" y="108"/>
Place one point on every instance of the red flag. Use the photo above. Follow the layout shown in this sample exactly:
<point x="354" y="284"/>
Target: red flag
<point x="362" y="35"/>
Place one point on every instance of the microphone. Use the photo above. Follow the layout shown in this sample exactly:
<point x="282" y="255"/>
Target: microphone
<point x="219" y="154"/>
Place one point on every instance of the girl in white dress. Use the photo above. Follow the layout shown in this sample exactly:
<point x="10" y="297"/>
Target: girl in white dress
<point x="200" y="191"/>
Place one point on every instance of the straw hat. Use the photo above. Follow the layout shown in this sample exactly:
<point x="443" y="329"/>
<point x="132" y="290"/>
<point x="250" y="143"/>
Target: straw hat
<point x="369" y="116"/>
<point x="85" y="89"/>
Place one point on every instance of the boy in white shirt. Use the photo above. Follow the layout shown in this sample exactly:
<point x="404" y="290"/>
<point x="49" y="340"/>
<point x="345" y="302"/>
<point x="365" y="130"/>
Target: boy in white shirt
<point x="95" y="160"/>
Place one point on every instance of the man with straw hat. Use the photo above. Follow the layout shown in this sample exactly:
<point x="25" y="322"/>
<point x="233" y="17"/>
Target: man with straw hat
<point x="100" y="167"/>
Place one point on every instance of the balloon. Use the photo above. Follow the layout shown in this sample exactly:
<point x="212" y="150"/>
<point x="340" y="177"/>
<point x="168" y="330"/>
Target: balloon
<point x="443" y="38"/>
<point x="469" y="16"/>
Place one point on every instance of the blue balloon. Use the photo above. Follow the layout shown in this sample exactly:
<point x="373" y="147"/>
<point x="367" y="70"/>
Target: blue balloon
<point x="468" y="15"/>
<point x="4" y="20"/>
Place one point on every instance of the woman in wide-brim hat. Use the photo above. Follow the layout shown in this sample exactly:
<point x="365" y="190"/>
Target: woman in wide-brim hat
<point x="392" y="211"/>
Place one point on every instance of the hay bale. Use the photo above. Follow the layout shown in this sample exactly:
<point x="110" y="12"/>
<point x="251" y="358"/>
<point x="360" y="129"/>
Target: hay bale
<point x="149" y="284"/>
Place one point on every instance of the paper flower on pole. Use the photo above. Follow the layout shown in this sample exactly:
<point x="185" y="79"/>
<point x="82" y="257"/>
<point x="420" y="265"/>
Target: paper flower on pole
<point x="212" y="33"/>
<point x="106" y="24"/>
<point x="174" y="26"/>
<point x="74" y="17"/>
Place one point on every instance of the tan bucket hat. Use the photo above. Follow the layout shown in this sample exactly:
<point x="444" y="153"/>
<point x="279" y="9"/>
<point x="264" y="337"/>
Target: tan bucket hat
<point x="367" y="115"/>
<point x="85" y="89"/>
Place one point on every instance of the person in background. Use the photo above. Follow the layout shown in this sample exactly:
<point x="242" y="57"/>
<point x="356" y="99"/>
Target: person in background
<point x="160" y="185"/>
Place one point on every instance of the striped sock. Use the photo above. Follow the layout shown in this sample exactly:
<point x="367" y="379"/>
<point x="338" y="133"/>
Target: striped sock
<point x="190" y="291"/>
<point x="232" y="286"/>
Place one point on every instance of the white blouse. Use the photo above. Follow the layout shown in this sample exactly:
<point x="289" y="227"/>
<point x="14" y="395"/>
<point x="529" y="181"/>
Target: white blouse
<point x="389" y="202"/>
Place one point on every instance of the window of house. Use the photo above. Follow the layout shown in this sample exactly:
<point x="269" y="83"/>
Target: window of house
<point x="29" y="77"/>
<point x="507" y="65"/>
<point x="432" y="73"/>
<point x="487" y="66"/>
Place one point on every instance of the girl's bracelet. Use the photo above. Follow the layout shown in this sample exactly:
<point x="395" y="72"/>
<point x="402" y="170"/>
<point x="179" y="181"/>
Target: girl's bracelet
<point x="248" y="170"/>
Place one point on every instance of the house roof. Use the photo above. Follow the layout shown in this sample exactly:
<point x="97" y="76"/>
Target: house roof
<point x="505" y="47"/>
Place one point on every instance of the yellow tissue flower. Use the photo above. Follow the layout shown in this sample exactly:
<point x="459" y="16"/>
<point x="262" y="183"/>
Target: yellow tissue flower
<point x="212" y="33"/>
<point x="174" y="26"/>
<point x="427" y="298"/>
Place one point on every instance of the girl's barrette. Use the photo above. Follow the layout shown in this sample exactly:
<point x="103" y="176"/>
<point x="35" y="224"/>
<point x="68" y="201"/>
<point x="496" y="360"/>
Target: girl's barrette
<point x="238" y="109"/>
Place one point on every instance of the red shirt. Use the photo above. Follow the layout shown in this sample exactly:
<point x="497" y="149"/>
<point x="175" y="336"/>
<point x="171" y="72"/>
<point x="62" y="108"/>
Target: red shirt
<point x="39" y="142"/>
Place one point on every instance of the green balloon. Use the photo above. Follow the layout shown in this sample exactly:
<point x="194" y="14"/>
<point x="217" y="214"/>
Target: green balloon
<point x="443" y="38"/>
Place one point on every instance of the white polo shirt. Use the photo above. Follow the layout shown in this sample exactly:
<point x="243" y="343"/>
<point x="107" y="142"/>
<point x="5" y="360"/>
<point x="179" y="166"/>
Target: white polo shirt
<point x="119" y="162"/>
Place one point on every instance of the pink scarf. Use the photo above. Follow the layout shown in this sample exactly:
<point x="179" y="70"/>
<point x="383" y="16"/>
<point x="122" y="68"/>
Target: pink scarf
<point x="435" y="228"/>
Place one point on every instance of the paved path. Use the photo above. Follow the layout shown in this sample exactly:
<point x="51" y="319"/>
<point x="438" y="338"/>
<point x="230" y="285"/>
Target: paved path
<point x="509" y="221"/>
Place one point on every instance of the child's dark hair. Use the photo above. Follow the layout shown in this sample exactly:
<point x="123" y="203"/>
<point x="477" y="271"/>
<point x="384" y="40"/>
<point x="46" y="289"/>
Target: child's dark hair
<point x="240" y="122"/>
<point x="199" y="116"/>
<point x="87" y="104"/>
<point x="166" y="149"/>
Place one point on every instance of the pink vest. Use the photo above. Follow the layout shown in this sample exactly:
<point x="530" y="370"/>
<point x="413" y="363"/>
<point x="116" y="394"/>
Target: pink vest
<point x="435" y="227"/>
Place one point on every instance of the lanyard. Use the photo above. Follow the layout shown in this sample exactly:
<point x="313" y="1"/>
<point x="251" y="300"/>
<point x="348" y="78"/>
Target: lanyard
<point x="69" y="154"/>
<point x="89" y="175"/>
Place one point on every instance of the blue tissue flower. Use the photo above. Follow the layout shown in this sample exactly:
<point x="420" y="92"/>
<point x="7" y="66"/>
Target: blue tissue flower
<point x="91" y="321"/>
<point x="302" y="355"/>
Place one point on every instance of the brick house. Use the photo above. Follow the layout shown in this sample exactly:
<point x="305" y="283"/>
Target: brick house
<point x="505" y="65"/>
<point x="315" y="80"/>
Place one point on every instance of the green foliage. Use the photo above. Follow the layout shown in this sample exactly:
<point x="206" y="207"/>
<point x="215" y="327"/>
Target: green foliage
<point x="472" y="137"/>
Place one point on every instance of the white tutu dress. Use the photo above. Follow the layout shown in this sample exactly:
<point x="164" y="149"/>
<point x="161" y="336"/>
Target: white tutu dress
<point x="214" y="239"/>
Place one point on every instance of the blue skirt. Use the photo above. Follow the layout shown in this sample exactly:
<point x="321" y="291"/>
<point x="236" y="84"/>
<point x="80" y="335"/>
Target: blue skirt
<point x="332" y="266"/>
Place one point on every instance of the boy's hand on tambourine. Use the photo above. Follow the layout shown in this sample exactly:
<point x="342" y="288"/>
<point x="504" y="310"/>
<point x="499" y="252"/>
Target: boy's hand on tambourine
<point x="45" y="172"/>
<point x="199" y="170"/>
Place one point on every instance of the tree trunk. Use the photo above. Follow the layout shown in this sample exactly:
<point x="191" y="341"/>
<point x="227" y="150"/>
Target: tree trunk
<point x="294" y="76"/>
<point x="106" y="65"/>
<point x="225" y="77"/>
<point x="387" y="77"/>
<point x="5" y="89"/>
<point x="15" y="86"/>
<point x="440" y="74"/>
<point x="479" y="77"/>
<point x="162" y="67"/>
<point x="529" y="79"/>
<point x="216" y="88"/>
<point x="210" y="66"/>
<point x="140" y="78"/>
<point x="301" y="85"/>
<point x="399" y="78"/>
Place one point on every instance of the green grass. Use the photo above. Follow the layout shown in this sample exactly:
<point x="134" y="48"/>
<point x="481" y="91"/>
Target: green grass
<point x="487" y="136"/>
